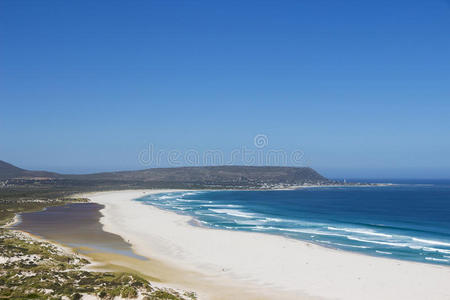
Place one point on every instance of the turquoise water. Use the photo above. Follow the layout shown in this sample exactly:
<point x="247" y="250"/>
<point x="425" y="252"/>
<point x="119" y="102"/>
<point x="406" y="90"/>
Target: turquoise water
<point x="406" y="221"/>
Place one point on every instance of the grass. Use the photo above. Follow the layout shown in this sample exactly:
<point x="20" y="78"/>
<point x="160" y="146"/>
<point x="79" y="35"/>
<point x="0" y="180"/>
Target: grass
<point x="39" y="270"/>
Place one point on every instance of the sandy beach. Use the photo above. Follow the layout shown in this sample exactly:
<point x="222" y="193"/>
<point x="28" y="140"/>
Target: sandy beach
<point x="221" y="264"/>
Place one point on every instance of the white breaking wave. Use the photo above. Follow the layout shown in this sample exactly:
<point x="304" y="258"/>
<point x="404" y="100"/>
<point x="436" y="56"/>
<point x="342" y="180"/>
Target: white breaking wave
<point x="344" y="245"/>
<point x="201" y="213"/>
<point x="272" y="220"/>
<point x="234" y="213"/>
<point x="248" y="222"/>
<point x="308" y="231"/>
<point x="431" y="242"/>
<point x="430" y="249"/>
<point x="383" y="252"/>
<point x="437" y="259"/>
<point x="180" y="207"/>
<point x="415" y="247"/>
<point x="187" y="200"/>
<point x="189" y="193"/>
<point x="260" y="228"/>
<point x="221" y="205"/>
<point x="166" y="197"/>
<point x="377" y="242"/>
<point x="360" y="231"/>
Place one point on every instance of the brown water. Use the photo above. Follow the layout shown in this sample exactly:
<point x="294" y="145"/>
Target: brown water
<point x="76" y="225"/>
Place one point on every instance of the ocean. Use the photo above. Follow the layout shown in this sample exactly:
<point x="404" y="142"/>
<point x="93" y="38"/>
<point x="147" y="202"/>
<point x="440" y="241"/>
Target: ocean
<point x="409" y="221"/>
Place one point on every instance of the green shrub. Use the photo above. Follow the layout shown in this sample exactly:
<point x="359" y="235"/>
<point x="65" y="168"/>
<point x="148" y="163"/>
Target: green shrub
<point x="128" y="292"/>
<point x="77" y="296"/>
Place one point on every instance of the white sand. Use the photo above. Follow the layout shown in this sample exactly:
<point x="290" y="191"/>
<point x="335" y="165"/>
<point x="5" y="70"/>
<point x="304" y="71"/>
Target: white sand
<point x="266" y="260"/>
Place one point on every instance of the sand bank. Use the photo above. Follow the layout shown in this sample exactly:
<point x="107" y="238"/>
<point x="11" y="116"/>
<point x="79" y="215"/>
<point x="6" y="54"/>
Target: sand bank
<point x="224" y="264"/>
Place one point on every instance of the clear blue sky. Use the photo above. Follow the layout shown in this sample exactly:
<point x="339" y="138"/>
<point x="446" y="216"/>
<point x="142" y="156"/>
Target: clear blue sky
<point x="362" y="88"/>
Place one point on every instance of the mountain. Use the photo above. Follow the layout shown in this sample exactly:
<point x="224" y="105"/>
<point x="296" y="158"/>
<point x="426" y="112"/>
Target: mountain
<point x="8" y="171"/>
<point x="215" y="175"/>
<point x="186" y="176"/>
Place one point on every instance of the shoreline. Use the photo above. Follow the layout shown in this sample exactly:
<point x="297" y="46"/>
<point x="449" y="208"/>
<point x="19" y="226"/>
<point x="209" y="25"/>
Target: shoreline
<point x="176" y="273"/>
<point x="193" y="221"/>
<point x="262" y="262"/>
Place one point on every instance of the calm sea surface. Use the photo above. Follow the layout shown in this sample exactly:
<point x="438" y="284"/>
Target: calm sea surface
<point x="405" y="221"/>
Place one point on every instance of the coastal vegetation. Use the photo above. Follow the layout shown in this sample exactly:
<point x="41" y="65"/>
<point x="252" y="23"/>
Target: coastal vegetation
<point x="40" y="270"/>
